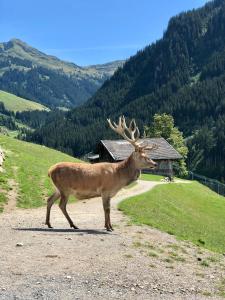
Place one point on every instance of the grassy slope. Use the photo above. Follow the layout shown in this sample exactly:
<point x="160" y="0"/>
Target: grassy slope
<point x="151" y="177"/>
<point x="190" y="211"/>
<point x="28" y="164"/>
<point x="14" y="103"/>
<point x="146" y="177"/>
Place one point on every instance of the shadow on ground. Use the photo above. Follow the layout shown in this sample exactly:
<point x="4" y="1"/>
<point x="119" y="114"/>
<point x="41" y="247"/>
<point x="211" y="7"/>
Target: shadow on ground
<point x="56" y="230"/>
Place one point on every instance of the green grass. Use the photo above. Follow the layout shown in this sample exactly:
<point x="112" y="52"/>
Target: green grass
<point x="153" y="254"/>
<point x="151" y="177"/>
<point x="204" y="263"/>
<point x="190" y="211"/>
<point x="3" y="200"/>
<point x="28" y="164"/>
<point x="14" y="103"/>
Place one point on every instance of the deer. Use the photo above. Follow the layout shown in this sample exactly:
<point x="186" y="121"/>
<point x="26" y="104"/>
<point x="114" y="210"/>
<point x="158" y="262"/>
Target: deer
<point x="103" y="179"/>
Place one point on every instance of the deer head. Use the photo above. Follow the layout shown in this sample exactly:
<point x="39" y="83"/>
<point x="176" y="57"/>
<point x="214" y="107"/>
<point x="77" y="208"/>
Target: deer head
<point x="140" y="154"/>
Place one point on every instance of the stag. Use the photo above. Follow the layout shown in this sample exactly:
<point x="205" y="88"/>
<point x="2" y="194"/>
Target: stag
<point x="102" y="179"/>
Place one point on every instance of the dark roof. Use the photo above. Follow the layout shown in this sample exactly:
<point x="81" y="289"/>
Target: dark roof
<point x="121" y="149"/>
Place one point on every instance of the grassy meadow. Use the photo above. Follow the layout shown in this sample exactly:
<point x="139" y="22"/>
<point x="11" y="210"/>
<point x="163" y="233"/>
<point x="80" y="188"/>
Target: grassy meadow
<point x="189" y="211"/>
<point x="14" y="103"/>
<point x="151" y="177"/>
<point x="28" y="165"/>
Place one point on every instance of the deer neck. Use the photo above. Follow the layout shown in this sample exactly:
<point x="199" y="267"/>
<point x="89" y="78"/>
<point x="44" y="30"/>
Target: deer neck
<point x="128" y="170"/>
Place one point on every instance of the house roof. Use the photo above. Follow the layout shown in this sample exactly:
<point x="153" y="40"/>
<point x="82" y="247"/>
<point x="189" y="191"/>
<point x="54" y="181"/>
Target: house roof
<point x="121" y="149"/>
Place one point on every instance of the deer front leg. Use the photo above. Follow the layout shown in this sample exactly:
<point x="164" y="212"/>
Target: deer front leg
<point x="62" y="205"/>
<point x="106" y="206"/>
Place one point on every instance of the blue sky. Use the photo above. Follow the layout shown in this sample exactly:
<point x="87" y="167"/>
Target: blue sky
<point x="89" y="31"/>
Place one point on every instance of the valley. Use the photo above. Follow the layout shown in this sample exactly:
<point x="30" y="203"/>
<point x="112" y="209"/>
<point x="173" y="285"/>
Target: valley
<point x="182" y="74"/>
<point x="161" y="236"/>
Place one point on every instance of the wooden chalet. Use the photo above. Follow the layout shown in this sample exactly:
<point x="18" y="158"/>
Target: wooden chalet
<point x="118" y="150"/>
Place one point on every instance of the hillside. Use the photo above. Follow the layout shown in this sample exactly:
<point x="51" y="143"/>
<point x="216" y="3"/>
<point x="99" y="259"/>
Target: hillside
<point x="182" y="74"/>
<point x="17" y="115"/>
<point x="188" y="210"/>
<point x="26" y="168"/>
<point x="15" y="103"/>
<point x="29" y="73"/>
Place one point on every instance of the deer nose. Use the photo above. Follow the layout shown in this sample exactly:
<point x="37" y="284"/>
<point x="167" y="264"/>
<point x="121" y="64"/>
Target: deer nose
<point x="155" y="164"/>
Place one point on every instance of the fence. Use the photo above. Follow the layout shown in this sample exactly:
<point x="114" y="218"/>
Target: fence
<point x="213" y="184"/>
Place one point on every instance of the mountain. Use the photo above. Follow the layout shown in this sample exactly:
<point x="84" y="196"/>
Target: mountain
<point x="107" y="69"/>
<point x="182" y="74"/>
<point x="29" y="73"/>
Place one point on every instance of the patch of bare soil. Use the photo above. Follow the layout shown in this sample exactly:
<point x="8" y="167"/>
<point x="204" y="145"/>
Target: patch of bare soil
<point x="11" y="196"/>
<point x="133" y="262"/>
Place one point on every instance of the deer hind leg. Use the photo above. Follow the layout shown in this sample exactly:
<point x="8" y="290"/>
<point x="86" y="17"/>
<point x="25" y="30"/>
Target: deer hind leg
<point x="50" y="202"/>
<point x="62" y="205"/>
<point x="106" y="206"/>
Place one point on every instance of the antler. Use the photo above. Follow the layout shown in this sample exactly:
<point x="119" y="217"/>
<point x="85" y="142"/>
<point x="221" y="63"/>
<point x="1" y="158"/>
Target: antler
<point x="121" y="129"/>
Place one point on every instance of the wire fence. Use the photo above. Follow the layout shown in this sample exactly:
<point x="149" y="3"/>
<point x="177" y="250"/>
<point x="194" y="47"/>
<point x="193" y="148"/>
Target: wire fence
<point x="213" y="184"/>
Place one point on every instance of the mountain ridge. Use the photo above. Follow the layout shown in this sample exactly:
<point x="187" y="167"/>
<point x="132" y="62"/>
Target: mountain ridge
<point x="22" y="66"/>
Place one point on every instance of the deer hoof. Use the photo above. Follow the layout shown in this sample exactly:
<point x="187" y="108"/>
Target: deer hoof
<point x="74" y="226"/>
<point x="108" y="229"/>
<point x="49" y="225"/>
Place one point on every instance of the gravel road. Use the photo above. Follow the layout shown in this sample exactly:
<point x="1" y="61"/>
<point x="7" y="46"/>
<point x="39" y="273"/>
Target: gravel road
<point x="133" y="262"/>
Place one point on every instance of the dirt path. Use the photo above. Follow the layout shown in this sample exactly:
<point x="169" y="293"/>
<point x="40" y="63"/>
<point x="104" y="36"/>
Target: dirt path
<point x="133" y="262"/>
<point x="11" y="196"/>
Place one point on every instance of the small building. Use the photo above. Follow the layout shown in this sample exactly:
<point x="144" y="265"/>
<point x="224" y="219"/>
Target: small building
<point x="118" y="150"/>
